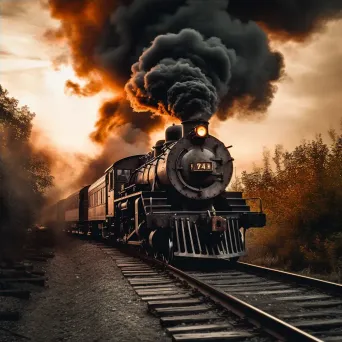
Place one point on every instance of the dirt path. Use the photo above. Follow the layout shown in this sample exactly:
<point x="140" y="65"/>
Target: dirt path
<point x="87" y="300"/>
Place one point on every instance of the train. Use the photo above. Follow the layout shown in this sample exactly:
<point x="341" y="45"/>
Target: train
<point x="170" y="203"/>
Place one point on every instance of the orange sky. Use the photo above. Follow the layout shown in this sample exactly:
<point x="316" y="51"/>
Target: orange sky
<point x="307" y="102"/>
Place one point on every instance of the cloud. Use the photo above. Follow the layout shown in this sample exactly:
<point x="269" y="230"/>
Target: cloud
<point x="316" y="79"/>
<point x="13" y="8"/>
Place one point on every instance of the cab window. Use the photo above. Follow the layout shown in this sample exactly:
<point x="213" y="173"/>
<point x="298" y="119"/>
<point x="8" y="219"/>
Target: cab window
<point x="111" y="179"/>
<point x="123" y="175"/>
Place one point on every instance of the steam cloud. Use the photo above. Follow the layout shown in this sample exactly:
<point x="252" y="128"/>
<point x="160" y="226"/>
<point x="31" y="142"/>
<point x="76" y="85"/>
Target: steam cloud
<point x="182" y="75"/>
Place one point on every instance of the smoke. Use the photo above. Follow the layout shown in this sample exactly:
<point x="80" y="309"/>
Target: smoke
<point x="24" y="176"/>
<point x="115" y="148"/>
<point x="72" y="171"/>
<point x="106" y="37"/>
<point x="288" y="19"/>
<point x="182" y="74"/>
<point x="91" y="88"/>
<point x="118" y="112"/>
<point x="253" y="71"/>
<point x="64" y="166"/>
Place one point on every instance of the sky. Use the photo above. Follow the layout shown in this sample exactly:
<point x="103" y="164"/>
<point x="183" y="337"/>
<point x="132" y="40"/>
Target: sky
<point x="307" y="102"/>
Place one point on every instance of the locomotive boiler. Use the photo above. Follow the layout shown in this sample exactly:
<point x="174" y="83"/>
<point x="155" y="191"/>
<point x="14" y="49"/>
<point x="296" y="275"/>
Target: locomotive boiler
<point x="173" y="202"/>
<point x="189" y="162"/>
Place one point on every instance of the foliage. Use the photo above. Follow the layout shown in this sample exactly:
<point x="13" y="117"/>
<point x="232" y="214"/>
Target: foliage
<point x="302" y="195"/>
<point x="24" y="175"/>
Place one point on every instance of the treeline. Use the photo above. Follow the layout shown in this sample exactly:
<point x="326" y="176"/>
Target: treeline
<point x="302" y="197"/>
<point x="24" y="176"/>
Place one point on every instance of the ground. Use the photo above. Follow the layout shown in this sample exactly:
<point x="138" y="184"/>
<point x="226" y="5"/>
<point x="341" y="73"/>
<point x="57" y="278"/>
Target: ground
<point x="87" y="299"/>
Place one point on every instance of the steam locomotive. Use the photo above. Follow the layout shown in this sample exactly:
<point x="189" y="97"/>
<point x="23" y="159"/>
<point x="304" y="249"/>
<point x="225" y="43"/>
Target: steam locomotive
<point x="171" y="202"/>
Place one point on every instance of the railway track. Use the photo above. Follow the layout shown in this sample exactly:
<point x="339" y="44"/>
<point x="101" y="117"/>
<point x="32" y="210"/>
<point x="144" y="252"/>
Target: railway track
<point x="310" y="305"/>
<point x="244" y="303"/>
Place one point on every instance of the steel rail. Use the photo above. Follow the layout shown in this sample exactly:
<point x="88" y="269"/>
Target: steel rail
<point x="297" y="278"/>
<point x="261" y="319"/>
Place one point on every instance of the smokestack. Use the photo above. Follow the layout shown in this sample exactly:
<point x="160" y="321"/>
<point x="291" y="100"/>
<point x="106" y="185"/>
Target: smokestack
<point x="190" y="125"/>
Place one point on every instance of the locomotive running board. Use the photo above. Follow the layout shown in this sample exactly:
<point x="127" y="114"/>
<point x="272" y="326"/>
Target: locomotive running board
<point x="188" y="242"/>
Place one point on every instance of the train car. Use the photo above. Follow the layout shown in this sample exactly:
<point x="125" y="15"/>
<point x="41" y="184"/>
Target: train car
<point x="76" y="211"/>
<point x="60" y="211"/>
<point x="103" y="192"/>
<point x="97" y="206"/>
<point x="53" y="215"/>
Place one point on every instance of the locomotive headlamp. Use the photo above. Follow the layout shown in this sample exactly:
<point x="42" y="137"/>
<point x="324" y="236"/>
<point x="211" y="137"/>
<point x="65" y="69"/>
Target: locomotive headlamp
<point x="201" y="131"/>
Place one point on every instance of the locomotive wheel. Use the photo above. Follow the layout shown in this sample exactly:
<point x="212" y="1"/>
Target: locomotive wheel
<point x="156" y="255"/>
<point x="145" y="249"/>
<point x="168" y="255"/>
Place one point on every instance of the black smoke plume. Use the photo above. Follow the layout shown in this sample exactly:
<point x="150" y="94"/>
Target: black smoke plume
<point x="109" y="36"/>
<point x="182" y="74"/>
<point x="288" y="19"/>
<point x="254" y="70"/>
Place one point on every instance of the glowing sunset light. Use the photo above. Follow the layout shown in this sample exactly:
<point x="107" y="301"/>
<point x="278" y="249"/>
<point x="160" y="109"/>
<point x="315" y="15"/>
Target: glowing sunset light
<point x="309" y="88"/>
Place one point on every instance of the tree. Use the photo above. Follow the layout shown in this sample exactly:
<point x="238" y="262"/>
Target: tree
<point x="302" y="196"/>
<point x="24" y="175"/>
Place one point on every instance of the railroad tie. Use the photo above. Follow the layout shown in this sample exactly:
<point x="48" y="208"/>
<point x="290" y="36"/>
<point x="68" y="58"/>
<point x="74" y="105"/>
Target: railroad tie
<point x="159" y="292"/>
<point x="315" y="314"/>
<point x="319" y="325"/>
<point x="303" y="298"/>
<point x="198" y="328"/>
<point x="172" y="303"/>
<point x="165" y="297"/>
<point x="193" y="319"/>
<point x="321" y="304"/>
<point x="269" y="292"/>
<point x="245" y="290"/>
<point x="135" y="264"/>
<point x="9" y="316"/>
<point x="182" y="310"/>
<point x="33" y="280"/>
<point x="18" y="293"/>
<point x="147" y="280"/>
<point x="155" y="287"/>
<point x="212" y="336"/>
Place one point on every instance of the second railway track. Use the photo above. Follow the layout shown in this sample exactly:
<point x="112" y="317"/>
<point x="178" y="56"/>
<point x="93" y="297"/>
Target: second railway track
<point x="310" y="305"/>
<point x="243" y="303"/>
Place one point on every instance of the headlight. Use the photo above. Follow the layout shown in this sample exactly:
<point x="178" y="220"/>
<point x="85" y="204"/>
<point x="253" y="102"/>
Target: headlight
<point x="201" y="131"/>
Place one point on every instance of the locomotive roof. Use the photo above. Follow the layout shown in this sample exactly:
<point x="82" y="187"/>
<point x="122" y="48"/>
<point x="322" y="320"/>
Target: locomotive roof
<point x="97" y="182"/>
<point x="77" y="192"/>
<point x="124" y="159"/>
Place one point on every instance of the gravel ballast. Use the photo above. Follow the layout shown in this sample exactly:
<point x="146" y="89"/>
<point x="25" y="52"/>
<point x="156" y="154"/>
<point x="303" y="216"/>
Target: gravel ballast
<point x="87" y="299"/>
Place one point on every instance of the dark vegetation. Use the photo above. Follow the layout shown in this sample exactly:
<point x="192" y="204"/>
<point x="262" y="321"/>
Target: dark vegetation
<point x="24" y="177"/>
<point x="302" y="196"/>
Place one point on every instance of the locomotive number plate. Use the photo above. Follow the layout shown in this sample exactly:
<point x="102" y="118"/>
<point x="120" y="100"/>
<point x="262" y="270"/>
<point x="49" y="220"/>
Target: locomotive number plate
<point x="201" y="166"/>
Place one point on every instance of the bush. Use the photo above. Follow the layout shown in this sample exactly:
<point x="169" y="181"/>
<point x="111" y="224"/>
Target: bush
<point x="302" y="195"/>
